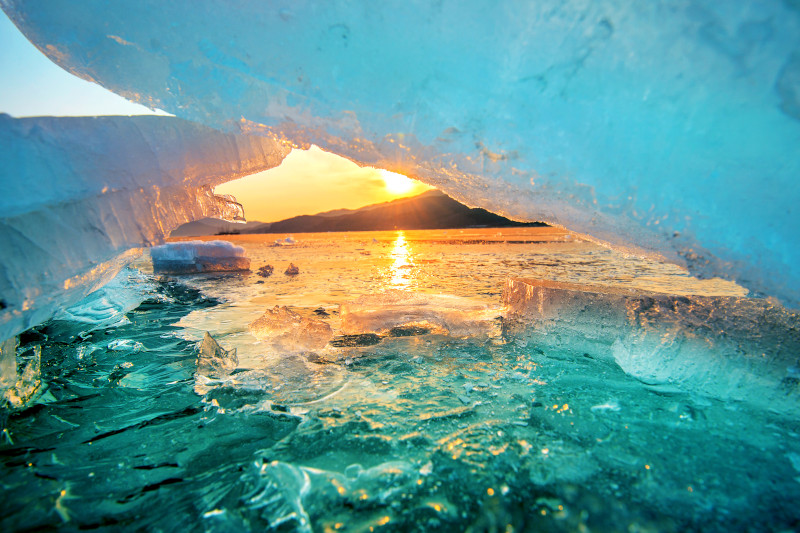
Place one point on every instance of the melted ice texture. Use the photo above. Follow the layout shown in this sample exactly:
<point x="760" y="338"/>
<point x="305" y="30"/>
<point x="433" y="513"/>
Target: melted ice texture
<point x="663" y="127"/>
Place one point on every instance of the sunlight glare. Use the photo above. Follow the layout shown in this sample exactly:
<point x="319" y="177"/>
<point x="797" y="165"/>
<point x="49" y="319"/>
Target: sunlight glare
<point x="397" y="183"/>
<point x="403" y="262"/>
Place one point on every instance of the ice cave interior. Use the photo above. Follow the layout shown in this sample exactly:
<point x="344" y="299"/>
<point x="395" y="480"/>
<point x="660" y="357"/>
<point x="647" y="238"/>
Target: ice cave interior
<point x="657" y="129"/>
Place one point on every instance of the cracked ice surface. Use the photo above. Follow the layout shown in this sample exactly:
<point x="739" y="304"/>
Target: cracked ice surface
<point x="80" y="193"/>
<point x="661" y="126"/>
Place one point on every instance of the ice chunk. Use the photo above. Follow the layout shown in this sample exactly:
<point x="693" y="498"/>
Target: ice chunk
<point x="79" y="192"/>
<point x="726" y="347"/>
<point x="265" y="271"/>
<point x="26" y="384"/>
<point x="191" y="257"/>
<point x="279" y="383"/>
<point x="667" y="127"/>
<point x="403" y="311"/>
<point x="213" y="360"/>
<point x="8" y="363"/>
<point x="286" y="331"/>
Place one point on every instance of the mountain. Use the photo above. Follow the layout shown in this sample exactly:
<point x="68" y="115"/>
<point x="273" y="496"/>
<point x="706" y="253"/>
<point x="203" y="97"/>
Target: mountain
<point x="213" y="226"/>
<point x="429" y="210"/>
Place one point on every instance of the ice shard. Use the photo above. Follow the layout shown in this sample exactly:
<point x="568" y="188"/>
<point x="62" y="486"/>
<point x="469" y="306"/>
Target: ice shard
<point x="18" y="386"/>
<point x="285" y="331"/>
<point x="8" y="363"/>
<point x="661" y="126"/>
<point x="80" y="195"/>
<point x="213" y="360"/>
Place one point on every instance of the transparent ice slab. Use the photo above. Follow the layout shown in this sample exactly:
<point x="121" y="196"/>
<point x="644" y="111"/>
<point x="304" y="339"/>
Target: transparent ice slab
<point x="438" y="313"/>
<point x="107" y="307"/>
<point x="286" y="331"/>
<point x="731" y="348"/>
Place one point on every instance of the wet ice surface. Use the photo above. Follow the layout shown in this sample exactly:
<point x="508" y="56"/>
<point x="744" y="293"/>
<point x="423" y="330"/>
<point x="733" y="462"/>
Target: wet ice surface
<point x="406" y="427"/>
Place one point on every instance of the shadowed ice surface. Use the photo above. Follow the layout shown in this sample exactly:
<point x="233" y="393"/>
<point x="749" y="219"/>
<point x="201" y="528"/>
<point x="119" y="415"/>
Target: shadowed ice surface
<point x="446" y="398"/>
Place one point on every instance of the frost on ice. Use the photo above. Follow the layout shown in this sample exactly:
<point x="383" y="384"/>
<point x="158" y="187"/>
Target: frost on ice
<point x="191" y="257"/>
<point x="80" y="195"/>
<point x="660" y="126"/>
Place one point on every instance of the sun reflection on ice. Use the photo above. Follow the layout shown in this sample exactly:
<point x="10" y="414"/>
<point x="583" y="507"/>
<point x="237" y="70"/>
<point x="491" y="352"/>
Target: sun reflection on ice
<point x="400" y="271"/>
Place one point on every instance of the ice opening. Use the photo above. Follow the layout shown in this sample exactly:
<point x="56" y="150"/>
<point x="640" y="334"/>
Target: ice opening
<point x="558" y="378"/>
<point x="660" y="156"/>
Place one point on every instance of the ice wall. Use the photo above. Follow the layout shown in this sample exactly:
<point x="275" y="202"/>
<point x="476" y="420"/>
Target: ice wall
<point x="79" y="193"/>
<point x="667" y="126"/>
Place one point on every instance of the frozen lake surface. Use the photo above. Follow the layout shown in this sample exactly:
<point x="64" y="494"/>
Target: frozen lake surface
<point x="393" y="386"/>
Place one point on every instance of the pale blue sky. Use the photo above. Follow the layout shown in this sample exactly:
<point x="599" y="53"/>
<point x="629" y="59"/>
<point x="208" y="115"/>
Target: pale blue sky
<point x="32" y="85"/>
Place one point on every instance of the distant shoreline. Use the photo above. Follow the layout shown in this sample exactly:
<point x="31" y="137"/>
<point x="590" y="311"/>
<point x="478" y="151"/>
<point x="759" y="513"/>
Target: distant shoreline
<point x="267" y="232"/>
<point x="432" y="210"/>
<point x="508" y="235"/>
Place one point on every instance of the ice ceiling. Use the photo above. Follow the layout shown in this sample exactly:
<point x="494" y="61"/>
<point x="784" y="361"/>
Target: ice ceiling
<point x="660" y="126"/>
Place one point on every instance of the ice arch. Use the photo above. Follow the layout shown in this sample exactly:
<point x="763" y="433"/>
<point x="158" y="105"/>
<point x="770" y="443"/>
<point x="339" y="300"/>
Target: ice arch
<point x="661" y="126"/>
<point x="78" y="193"/>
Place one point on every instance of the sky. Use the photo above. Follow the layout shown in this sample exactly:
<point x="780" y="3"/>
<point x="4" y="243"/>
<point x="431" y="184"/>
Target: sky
<point x="307" y="182"/>
<point x="32" y="85"/>
<point x="313" y="181"/>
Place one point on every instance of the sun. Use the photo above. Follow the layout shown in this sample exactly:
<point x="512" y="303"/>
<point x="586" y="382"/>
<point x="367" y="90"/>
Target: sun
<point x="397" y="183"/>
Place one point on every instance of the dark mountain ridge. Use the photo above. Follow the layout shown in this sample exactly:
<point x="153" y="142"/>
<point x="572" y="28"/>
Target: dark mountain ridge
<point x="430" y="210"/>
